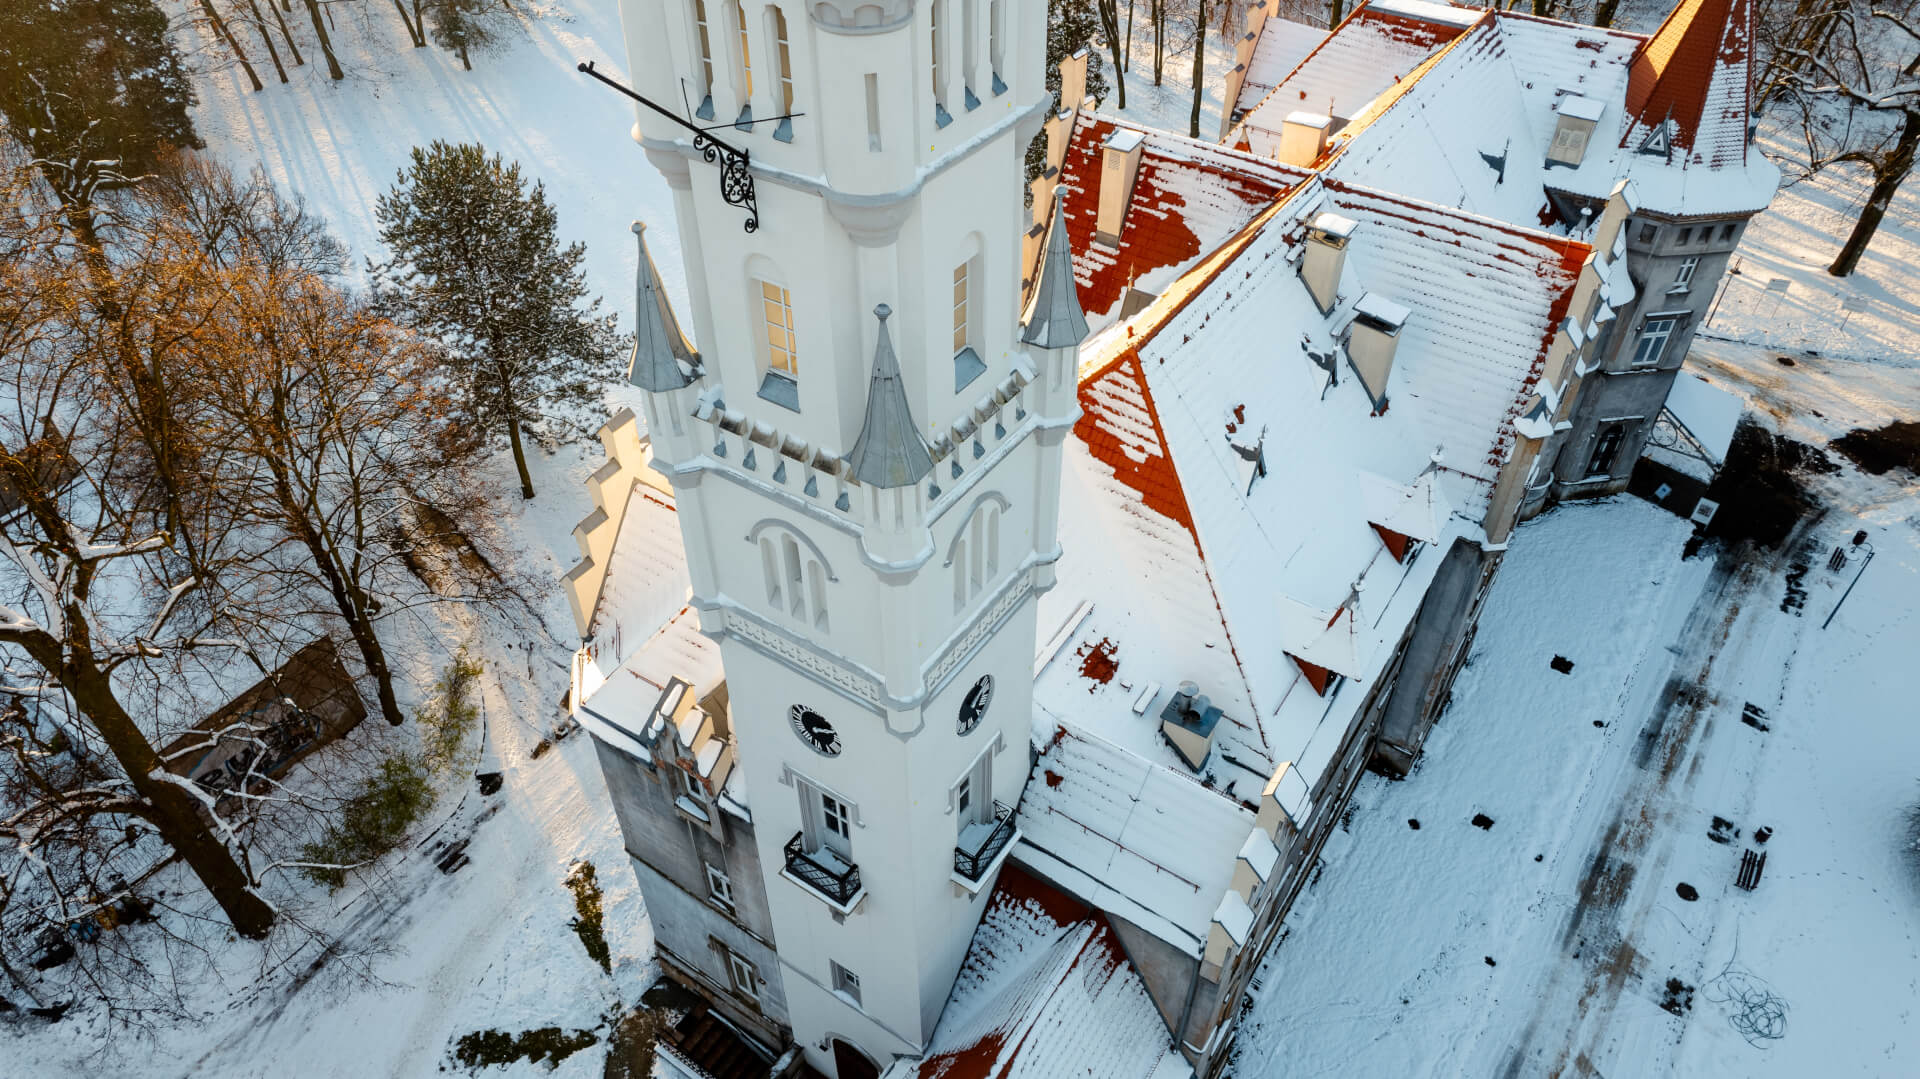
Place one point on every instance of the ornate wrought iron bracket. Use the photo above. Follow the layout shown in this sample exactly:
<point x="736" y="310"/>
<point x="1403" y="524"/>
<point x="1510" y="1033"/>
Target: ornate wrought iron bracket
<point x="736" y="178"/>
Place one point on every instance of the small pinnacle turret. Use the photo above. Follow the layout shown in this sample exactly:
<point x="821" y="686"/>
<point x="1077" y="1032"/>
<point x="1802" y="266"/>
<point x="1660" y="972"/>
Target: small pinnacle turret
<point x="1053" y="318"/>
<point x="889" y="452"/>
<point x="663" y="358"/>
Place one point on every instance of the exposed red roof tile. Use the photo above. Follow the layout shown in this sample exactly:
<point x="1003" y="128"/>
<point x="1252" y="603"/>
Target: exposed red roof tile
<point x="1159" y="231"/>
<point x="1142" y="461"/>
<point x="1695" y="70"/>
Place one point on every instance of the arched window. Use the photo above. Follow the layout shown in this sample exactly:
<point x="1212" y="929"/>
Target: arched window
<point x="795" y="573"/>
<point x="703" y="44"/>
<point x="975" y="554"/>
<point x="743" y="62"/>
<point x="782" y="71"/>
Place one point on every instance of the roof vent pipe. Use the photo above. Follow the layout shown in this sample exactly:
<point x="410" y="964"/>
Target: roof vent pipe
<point x="1326" y="257"/>
<point x="1303" y="138"/>
<point x="1119" y="169"/>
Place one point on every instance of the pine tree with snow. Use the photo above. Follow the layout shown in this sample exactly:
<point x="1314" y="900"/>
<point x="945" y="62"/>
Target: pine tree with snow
<point x="465" y="26"/>
<point x="477" y="266"/>
<point x="94" y="89"/>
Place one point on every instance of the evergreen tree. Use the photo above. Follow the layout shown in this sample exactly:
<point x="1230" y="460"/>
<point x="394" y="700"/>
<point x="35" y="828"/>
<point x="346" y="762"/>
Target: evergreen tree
<point x="477" y="266"/>
<point x="465" y="26"/>
<point x="1072" y="25"/>
<point x="94" y="89"/>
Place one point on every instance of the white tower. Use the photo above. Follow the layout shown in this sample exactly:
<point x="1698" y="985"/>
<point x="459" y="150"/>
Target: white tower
<point x="865" y="451"/>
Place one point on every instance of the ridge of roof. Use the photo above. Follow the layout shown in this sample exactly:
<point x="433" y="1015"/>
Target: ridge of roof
<point x="1682" y="68"/>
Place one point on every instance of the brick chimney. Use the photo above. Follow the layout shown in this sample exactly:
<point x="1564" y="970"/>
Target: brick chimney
<point x="1119" y="168"/>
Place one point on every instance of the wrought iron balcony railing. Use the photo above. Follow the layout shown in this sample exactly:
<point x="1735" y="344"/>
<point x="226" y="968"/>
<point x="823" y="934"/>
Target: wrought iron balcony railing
<point x="823" y="871"/>
<point x="986" y="842"/>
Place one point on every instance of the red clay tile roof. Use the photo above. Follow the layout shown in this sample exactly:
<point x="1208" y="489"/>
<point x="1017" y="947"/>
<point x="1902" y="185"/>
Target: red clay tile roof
<point x="1163" y="227"/>
<point x="1696" y="71"/>
<point x="1121" y="428"/>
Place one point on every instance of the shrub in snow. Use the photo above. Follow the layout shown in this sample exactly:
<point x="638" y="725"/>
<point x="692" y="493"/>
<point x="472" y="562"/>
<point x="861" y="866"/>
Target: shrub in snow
<point x="372" y="822"/>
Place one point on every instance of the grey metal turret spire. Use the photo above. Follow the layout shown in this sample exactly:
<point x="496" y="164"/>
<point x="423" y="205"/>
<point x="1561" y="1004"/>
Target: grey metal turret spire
<point x="1053" y="317"/>
<point x="889" y="452"/>
<point x="663" y="358"/>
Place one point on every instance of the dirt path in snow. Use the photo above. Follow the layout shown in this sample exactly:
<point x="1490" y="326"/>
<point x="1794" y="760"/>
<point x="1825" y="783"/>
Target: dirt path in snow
<point x="1607" y="953"/>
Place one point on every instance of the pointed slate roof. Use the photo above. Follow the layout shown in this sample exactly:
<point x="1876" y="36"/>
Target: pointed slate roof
<point x="1695" y="71"/>
<point x="663" y="358"/>
<point x="889" y="452"/>
<point x="1053" y="317"/>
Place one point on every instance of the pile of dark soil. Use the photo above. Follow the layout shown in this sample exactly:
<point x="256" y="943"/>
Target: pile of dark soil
<point x="1762" y="490"/>
<point x="1883" y="449"/>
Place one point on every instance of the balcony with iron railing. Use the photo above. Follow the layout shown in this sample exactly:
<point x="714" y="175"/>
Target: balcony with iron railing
<point x="981" y="842"/>
<point x="835" y="879"/>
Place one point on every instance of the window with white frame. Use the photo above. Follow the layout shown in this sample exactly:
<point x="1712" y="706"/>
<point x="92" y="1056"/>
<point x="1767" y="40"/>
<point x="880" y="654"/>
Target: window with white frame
<point x="720" y="888"/>
<point x="826" y="821"/>
<point x="961" y="328"/>
<point x="742" y="977"/>
<point x="704" y="42"/>
<point x="745" y="58"/>
<point x="1653" y="341"/>
<point x="1683" y="280"/>
<point x="692" y="785"/>
<point x="776" y="313"/>
<point x="783" y="62"/>
<point x="846" y="983"/>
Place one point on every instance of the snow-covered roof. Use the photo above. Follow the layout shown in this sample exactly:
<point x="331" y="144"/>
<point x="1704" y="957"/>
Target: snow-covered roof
<point x="1188" y="197"/>
<point x="1708" y="412"/>
<point x="1046" y="991"/>
<point x="1376" y="47"/>
<point x="1131" y="837"/>
<point x="619" y="707"/>
<point x="1282" y="45"/>
<point x="646" y="580"/>
<point x="1693" y="75"/>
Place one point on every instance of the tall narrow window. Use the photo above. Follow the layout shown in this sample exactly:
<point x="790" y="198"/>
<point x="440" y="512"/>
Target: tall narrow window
<point x="703" y="40"/>
<point x="934" y="12"/>
<point x="833" y="829"/>
<point x="746" y="57"/>
<point x="969" y="49"/>
<point x="960" y="592"/>
<point x="817" y="592"/>
<point x="795" y="595"/>
<point x="776" y="306"/>
<point x="960" y="335"/>
<point x="873" y="112"/>
<point x="1683" y="280"/>
<point x="1653" y="341"/>
<point x="770" y="564"/>
<point x="994" y="38"/>
<point x="783" y="62"/>
<point x="1605" y="449"/>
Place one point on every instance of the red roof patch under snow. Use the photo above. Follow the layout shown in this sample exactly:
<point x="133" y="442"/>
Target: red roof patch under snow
<point x="1187" y="199"/>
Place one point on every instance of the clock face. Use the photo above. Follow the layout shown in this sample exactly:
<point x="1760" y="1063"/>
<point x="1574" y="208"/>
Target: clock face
<point x="814" y="730"/>
<point x="974" y="708"/>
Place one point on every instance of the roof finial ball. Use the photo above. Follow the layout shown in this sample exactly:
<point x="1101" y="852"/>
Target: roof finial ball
<point x="882" y="311"/>
<point x="639" y="227"/>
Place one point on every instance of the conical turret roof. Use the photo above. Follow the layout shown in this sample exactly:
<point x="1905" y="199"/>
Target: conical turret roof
<point x="889" y="452"/>
<point x="663" y="358"/>
<point x="1053" y="317"/>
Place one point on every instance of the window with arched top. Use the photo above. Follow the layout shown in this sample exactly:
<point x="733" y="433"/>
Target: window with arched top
<point x="795" y="574"/>
<point x="975" y="554"/>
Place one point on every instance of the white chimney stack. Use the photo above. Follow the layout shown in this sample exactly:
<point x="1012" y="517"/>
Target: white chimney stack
<point x="1303" y="138"/>
<point x="1118" y="171"/>
<point x="1371" y="342"/>
<point x="1326" y="257"/>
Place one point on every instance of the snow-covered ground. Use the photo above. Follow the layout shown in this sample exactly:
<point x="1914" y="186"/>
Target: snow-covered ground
<point x="1169" y="106"/>
<point x="1548" y="942"/>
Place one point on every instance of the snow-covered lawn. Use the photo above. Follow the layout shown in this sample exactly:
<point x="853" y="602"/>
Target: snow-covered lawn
<point x="1547" y="942"/>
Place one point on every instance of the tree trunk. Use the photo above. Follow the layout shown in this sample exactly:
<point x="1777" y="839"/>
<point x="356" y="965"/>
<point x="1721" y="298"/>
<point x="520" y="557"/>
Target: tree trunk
<point x="220" y="27"/>
<point x="285" y="34"/>
<point x="1603" y="12"/>
<point x="1159" y="38"/>
<point x="519" y="455"/>
<point x="1129" y="34"/>
<point x="1110" y="26"/>
<point x="468" y="65"/>
<point x="414" y="33"/>
<point x="175" y="811"/>
<point x="326" y="43"/>
<point x="1886" y="182"/>
<point x="260" y="24"/>
<point x="1335" y="12"/>
<point x="1199" y="67"/>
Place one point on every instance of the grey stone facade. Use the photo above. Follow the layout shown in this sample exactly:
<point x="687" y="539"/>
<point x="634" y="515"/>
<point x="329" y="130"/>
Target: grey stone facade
<point x="1676" y="265"/>
<point x="671" y="850"/>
